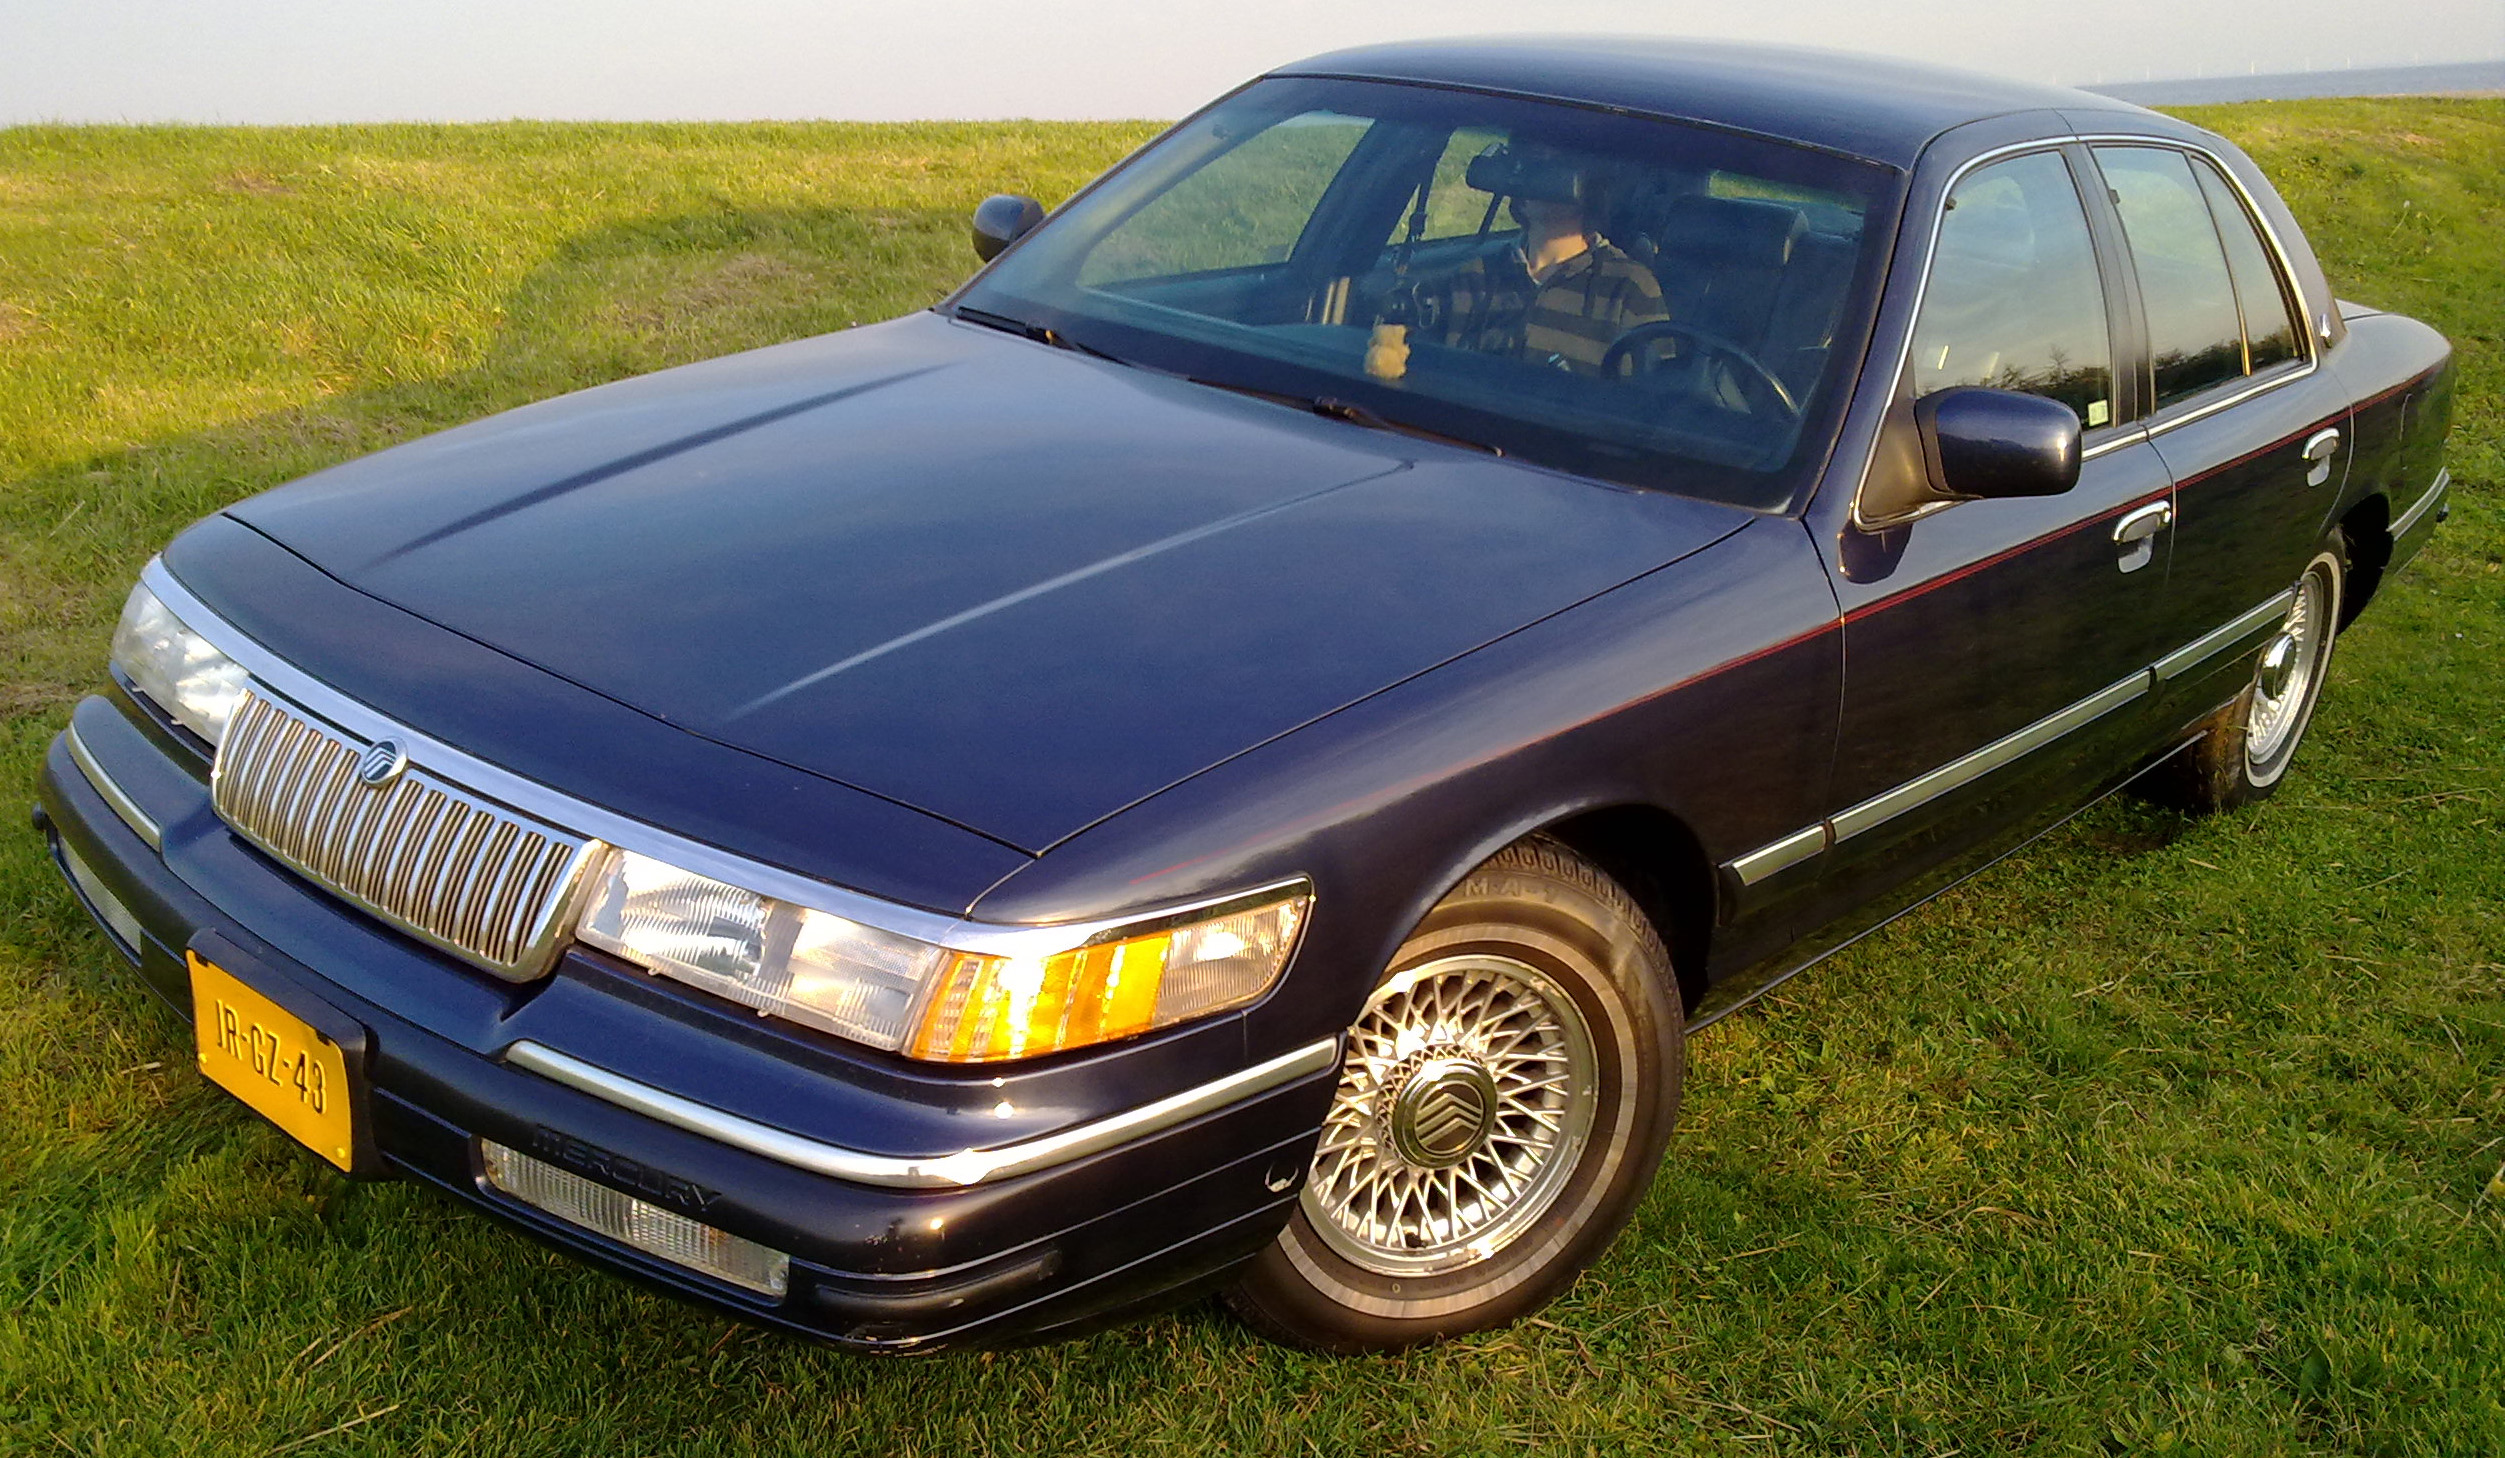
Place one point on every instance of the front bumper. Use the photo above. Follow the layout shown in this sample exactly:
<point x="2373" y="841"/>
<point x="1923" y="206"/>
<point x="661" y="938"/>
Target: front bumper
<point x="1106" y="1227"/>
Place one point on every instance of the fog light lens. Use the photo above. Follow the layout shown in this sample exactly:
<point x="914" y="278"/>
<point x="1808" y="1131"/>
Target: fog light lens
<point x="639" y="1223"/>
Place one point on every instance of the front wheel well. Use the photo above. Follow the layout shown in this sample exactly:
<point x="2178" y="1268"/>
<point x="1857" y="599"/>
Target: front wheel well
<point x="1659" y="861"/>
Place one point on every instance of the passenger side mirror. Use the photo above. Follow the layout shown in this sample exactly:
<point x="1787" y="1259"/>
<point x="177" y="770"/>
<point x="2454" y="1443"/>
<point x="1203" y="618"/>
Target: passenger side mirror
<point x="1002" y="219"/>
<point x="1992" y="443"/>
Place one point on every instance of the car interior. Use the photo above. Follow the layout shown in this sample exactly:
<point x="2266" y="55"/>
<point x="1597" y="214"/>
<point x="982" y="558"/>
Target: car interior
<point x="1753" y="282"/>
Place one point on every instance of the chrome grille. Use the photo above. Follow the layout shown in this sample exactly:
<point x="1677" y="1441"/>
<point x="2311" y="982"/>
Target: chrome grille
<point x="471" y="876"/>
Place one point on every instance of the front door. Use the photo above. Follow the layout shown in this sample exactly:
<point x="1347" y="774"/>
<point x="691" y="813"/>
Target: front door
<point x="1997" y="652"/>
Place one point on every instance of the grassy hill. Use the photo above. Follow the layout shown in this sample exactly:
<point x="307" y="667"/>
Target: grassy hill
<point x="2165" y="1136"/>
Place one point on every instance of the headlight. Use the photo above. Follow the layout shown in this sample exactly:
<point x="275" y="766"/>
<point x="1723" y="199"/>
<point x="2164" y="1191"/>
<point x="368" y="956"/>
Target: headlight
<point x="804" y="965"/>
<point x="176" y="667"/>
<point x="936" y="1002"/>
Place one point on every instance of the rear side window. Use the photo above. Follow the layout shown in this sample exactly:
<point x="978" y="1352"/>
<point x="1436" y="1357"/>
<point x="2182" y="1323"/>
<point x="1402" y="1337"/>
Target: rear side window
<point x="2014" y="301"/>
<point x="2195" y="331"/>
<point x="2269" y="322"/>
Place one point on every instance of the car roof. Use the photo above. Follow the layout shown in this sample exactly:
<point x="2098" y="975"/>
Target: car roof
<point x="1876" y="107"/>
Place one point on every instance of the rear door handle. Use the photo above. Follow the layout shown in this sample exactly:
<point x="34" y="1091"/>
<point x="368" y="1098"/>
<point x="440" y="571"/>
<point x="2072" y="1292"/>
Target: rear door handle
<point x="2136" y="534"/>
<point x="2319" y="449"/>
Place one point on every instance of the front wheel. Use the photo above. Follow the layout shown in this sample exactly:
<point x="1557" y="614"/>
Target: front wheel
<point x="2245" y="748"/>
<point x="1505" y="1099"/>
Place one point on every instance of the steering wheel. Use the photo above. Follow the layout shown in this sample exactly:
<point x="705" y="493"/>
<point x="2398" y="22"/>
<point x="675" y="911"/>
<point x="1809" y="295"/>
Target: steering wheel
<point x="1625" y="353"/>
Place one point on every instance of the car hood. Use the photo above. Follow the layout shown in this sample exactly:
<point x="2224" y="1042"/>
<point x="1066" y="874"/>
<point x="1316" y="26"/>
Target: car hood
<point x="1007" y="585"/>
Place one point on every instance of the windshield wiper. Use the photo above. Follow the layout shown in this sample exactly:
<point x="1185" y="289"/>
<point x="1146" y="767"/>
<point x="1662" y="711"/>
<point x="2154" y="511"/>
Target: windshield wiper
<point x="1040" y="333"/>
<point x="1331" y="408"/>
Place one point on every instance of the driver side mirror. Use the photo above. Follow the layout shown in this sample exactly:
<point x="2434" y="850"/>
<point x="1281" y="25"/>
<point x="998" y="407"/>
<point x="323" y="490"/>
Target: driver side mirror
<point x="1002" y="219"/>
<point x="1992" y="443"/>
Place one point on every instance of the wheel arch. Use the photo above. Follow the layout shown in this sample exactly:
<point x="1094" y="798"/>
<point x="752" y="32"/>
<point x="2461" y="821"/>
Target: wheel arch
<point x="2366" y="529"/>
<point x="1657" y="858"/>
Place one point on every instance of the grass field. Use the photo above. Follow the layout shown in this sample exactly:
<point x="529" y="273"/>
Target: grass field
<point x="2163" y="1137"/>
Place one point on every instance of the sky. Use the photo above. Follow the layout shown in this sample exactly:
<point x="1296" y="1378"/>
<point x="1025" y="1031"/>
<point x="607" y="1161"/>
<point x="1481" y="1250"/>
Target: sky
<point x="469" y="60"/>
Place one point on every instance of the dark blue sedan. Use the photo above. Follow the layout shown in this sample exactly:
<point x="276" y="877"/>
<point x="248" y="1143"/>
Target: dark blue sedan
<point x="1234" y="751"/>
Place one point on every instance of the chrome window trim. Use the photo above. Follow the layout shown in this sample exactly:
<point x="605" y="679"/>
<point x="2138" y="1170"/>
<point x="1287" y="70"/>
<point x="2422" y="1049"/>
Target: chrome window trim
<point x="2426" y="503"/>
<point x="2209" y="645"/>
<point x="946" y="1171"/>
<point x="2187" y="412"/>
<point x="141" y="823"/>
<point x="2150" y="426"/>
<point x="2159" y="422"/>
<point x="582" y="817"/>
<point x="2252" y="210"/>
<point x="1895" y="375"/>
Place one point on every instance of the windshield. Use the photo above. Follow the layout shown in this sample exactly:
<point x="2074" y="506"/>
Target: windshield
<point x="1646" y="301"/>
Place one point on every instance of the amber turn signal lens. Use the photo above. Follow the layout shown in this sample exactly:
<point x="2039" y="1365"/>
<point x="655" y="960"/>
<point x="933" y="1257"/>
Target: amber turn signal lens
<point x="989" y="1008"/>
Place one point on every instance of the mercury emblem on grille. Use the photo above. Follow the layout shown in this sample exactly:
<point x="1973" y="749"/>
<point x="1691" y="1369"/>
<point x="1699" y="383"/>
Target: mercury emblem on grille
<point x="381" y="763"/>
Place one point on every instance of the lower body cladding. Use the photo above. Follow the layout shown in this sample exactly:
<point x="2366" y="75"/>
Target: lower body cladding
<point x="1021" y="1258"/>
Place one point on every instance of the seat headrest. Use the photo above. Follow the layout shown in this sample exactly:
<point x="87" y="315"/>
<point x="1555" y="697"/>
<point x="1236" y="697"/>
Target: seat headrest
<point x="1516" y="172"/>
<point x="1731" y="231"/>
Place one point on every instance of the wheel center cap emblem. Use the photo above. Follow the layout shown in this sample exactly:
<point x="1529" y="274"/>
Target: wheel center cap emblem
<point x="1444" y="1112"/>
<point x="381" y="763"/>
<point x="2278" y="667"/>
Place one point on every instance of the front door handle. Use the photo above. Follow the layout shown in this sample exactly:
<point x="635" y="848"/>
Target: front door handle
<point x="2319" y="449"/>
<point x="2136" y="534"/>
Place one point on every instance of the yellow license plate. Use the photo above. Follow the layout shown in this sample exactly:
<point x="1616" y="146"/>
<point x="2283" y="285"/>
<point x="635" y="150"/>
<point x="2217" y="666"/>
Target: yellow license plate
<point x="273" y="1060"/>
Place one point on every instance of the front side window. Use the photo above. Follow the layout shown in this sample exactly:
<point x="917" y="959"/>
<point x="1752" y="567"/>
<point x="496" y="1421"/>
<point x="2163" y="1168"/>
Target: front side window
<point x="1642" y="300"/>
<point x="2195" y="330"/>
<point x="2014" y="301"/>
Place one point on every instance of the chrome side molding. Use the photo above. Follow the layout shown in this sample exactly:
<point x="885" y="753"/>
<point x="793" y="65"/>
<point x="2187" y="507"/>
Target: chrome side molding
<point x="2209" y="645"/>
<point x="1915" y="793"/>
<point x="1790" y="851"/>
<point x="945" y="1171"/>
<point x="1804" y="843"/>
<point x="2426" y="503"/>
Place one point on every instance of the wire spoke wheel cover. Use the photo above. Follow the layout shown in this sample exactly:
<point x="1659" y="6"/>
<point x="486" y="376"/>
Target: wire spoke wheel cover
<point x="1466" y="1101"/>
<point x="2285" y="679"/>
<point x="1507" y="1086"/>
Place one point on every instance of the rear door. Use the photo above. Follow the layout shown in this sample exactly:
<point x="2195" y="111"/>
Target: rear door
<point x="2250" y="428"/>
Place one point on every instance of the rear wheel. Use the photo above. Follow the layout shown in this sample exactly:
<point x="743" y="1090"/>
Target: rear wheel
<point x="1505" y="1098"/>
<point x="2245" y="748"/>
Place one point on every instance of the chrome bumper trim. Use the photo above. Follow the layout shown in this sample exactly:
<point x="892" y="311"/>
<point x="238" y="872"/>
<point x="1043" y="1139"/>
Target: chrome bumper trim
<point x="1884" y="807"/>
<point x="2426" y="503"/>
<point x="140" y="822"/>
<point x="945" y="1171"/>
<point x="2209" y="645"/>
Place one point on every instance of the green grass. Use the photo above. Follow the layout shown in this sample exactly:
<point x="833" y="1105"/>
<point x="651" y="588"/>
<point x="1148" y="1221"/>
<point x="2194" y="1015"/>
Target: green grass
<point x="2165" y="1136"/>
